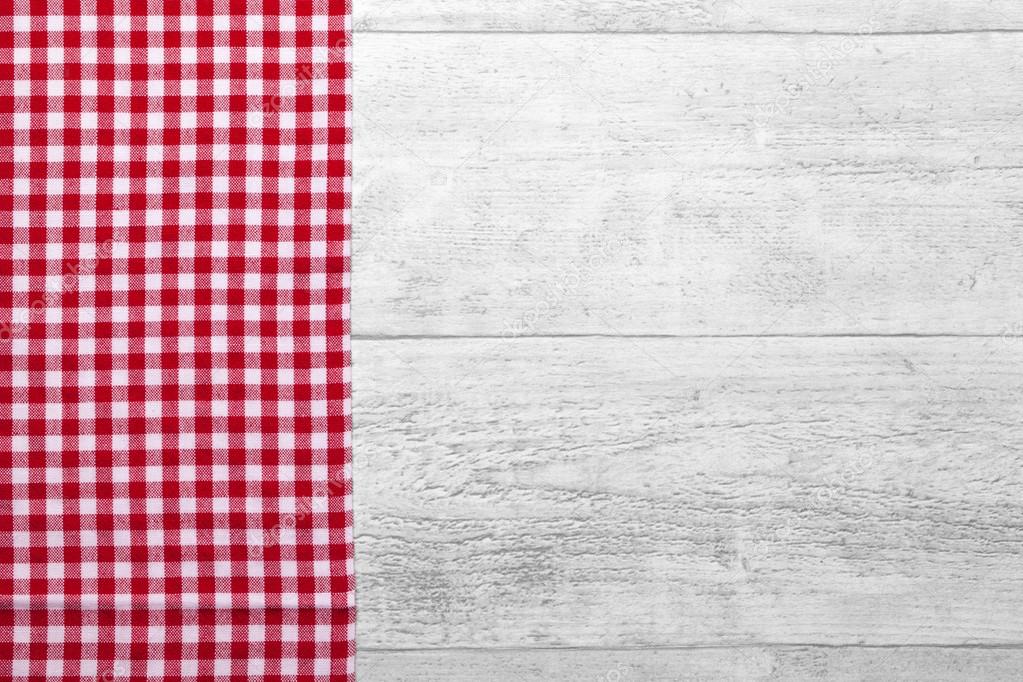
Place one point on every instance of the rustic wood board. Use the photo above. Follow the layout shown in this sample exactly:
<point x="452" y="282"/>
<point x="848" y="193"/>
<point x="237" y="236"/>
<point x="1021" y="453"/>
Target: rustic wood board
<point x="609" y="492"/>
<point x="734" y="386"/>
<point x="680" y="16"/>
<point x="688" y="185"/>
<point x="738" y="664"/>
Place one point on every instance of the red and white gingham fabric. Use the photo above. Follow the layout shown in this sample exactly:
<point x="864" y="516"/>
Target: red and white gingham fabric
<point x="174" y="402"/>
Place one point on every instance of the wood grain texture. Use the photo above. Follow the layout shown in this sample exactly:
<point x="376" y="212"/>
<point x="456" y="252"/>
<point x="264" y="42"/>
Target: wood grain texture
<point x="792" y="495"/>
<point x="688" y="15"/>
<point x="684" y="185"/>
<point x="675" y="492"/>
<point x="741" y="664"/>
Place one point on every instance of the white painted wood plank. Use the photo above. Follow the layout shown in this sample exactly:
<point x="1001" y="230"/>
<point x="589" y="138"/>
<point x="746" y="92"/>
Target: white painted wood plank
<point x="741" y="664"/>
<point x="688" y="15"/>
<point x="674" y="492"/>
<point x="515" y="185"/>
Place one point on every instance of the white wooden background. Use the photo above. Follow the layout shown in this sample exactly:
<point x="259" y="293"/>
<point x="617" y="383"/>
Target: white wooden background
<point x="689" y="339"/>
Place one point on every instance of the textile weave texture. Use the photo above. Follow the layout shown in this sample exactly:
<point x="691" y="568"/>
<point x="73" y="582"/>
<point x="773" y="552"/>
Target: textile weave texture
<point x="175" y="477"/>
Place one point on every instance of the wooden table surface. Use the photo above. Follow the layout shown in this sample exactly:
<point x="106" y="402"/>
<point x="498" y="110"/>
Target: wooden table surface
<point x="688" y="340"/>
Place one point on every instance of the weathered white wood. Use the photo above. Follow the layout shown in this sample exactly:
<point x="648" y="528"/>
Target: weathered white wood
<point x="672" y="492"/>
<point x="521" y="185"/>
<point x="669" y="492"/>
<point x="741" y="664"/>
<point x="688" y="15"/>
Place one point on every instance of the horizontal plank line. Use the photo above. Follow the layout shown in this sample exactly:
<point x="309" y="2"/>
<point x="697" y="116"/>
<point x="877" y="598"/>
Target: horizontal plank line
<point x="459" y="337"/>
<point x="695" y="647"/>
<point x="944" y="32"/>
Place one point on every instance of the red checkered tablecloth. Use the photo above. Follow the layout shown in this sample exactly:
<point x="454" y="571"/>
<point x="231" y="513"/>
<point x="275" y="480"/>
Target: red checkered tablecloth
<point x="174" y="361"/>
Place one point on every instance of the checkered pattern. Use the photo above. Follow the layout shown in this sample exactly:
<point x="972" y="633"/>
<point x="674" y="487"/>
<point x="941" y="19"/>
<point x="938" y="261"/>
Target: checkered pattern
<point x="174" y="356"/>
